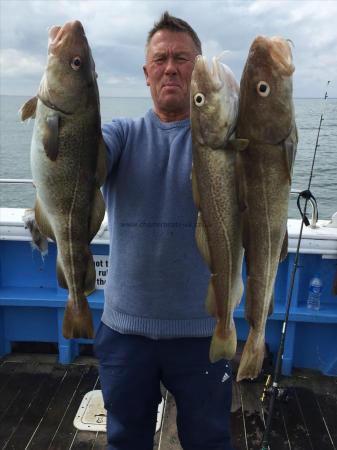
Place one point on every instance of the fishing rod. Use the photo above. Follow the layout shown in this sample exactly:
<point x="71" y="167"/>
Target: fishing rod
<point x="274" y="389"/>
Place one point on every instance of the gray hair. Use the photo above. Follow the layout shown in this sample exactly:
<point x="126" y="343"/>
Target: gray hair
<point x="171" y="23"/>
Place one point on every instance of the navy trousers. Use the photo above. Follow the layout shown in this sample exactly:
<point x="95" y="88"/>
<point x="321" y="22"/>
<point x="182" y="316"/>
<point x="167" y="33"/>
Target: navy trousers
<point x="131" y="369"/>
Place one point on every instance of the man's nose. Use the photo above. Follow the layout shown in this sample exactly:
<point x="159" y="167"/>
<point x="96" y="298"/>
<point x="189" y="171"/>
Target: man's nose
<point x="171" y="66"/>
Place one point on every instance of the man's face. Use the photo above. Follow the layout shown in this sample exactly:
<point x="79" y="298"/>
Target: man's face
<point x="168" y="70"/>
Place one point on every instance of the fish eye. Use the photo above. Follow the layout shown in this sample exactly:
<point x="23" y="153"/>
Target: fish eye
<point x="263" y="88"/>
<point x="76" y="63"/>
<point x="199" y="99"/>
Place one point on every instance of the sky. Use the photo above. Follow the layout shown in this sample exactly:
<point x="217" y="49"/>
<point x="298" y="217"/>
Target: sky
<point x="117" y="31"/>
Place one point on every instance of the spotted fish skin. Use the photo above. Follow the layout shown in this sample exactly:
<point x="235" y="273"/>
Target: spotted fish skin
<point x="214" y="107"/>
<point x="68" y="162"/>
<point x="267" y="120"/>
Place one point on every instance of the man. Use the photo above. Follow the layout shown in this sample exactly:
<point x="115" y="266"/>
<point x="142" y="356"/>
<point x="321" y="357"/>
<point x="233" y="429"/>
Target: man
<point x="154" y="325"/>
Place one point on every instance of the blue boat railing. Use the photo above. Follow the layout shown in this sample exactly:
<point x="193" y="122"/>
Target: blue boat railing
<point x="16" y="181"/>
<point x="294" y="192"/>
<point x="32" y="304"/>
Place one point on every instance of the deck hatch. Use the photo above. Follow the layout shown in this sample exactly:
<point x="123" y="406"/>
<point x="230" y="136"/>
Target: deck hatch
<point x="91" y="415"/>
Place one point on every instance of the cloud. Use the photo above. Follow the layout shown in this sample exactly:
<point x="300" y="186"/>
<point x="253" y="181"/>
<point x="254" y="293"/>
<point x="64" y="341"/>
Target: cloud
<point x="122" y="80"/>
<point x="117" y="32"/>
<point x="15" y="63"/>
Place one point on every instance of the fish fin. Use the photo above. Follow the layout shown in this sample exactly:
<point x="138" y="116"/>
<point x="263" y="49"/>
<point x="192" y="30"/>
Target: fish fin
<point x="237" y="144"/>
<point x="28" y="109"/>
<point x="60" y="275"/>
<point x="223" y="345"/>
<point x="245" y="243"/>
<point x="42" y="221"/>
<point x="240" y="183"/>
<point x="50" y="138"/>
<point x="201" y="239"/>
<point x="210" y="298"/>
<point x="284" y="249"/>
<point x="101" y="168"/>
<point x="289" y="147"/>
<point x="252" y="356"/>
<point x="96" y="214"/>
<point x="271" y="304"/>
<point x="77" y="321"/>
<point x="90" y="277"/>
<point x="39" y="241"/>
<point x="238" y="289"/>
<point x="195" y="189"/>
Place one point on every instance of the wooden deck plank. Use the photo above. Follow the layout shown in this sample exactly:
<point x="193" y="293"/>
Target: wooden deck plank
<point x="278" y="438"/>
<point x="168" y="438"/>
<point x="327" y="405"/>
<point x="10" y="389"/>
<point x="39" y="402"/>
<point x="35" y="411"/>
<point x="318" y="433"/>
<point x="252" y="413"/>
<point x="81" y="439"/>
<point x="237" y="425"/>
<point x="294" y="423"/>
<point x="66" y="430"/>
<point x="327" y="402"/>
<point x="6" y="371"/>
<point x="308" y="385"/>
<point x="325" y="393"/>
<point x="29" y="382"/>
<point x="58" y="406"/>
<point x="100" y="442"/>
<point x="156" y="440"/>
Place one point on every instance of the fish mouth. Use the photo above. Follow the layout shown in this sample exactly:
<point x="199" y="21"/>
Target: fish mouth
<point x="214" y="74"/>
<point x="282" y="55"/>
<point x="52" y="33"/>
<point x="217" y="73"/>
<point x="69" y="79"/>
<point x="69" y="34"/>
<point x="279" y="51"/>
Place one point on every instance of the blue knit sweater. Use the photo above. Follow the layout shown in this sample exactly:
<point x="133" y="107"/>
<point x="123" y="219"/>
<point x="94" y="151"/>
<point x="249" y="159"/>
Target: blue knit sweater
<point x="157" y="280"/>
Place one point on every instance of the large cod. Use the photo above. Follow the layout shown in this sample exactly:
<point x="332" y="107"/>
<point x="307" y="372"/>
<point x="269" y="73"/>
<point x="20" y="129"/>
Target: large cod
<point x="214" y="109"/>
<point x="68" y="163"/>
<point x="267" y="120"/>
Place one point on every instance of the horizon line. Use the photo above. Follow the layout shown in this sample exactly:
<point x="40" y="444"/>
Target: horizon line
<point x="146" y="97"/>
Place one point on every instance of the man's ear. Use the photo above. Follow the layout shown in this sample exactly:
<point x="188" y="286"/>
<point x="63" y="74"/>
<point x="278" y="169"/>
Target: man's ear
<point x="146" y="75"/>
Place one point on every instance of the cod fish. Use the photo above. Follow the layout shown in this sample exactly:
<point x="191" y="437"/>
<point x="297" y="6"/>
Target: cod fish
<point x="214" y="110"/>
<point x="267" y="120"/>
<point x="68" y="163"/>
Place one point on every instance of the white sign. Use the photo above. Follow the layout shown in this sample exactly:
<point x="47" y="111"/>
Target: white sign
<point x="101" y="266"/>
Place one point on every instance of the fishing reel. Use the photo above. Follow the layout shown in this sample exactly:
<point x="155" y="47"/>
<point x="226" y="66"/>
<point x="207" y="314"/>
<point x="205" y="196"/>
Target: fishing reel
<point x="281" y="393"/>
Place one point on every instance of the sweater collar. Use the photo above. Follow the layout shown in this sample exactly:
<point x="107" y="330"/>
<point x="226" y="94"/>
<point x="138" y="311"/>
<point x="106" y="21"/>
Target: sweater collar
<point x="167" y="125"/>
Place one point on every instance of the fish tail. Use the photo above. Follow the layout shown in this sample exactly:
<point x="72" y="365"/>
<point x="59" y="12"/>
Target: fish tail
<point x="252" y="356"/>
<point x="77" y="321"/>
<point x="223" y="344"/>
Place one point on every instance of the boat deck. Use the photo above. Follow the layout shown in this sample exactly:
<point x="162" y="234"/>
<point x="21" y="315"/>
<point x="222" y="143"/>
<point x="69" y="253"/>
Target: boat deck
<point x="39" y="399"/>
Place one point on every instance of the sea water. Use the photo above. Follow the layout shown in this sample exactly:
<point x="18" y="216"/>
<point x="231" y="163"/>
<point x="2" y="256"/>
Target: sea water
<point x="15" y="138"/>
